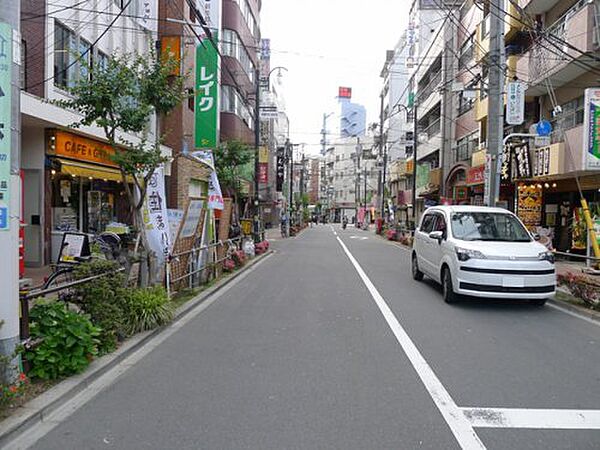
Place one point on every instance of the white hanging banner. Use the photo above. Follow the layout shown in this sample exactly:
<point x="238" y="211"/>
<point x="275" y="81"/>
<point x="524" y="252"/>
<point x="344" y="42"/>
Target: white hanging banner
<point x="215" y="197"/>
<point x="515" y="103"/>
<point x="145" y="13"/>
<point x="156" y="218"/>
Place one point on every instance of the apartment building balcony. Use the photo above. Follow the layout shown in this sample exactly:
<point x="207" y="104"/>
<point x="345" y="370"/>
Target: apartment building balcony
<point x="537" y="6"/>
<point x="512" y="24"/>
<point x="579" y="27"/>
<point x="481" y="100"/>
<point x="429" y="96"/>
<point x="430" y="139"/>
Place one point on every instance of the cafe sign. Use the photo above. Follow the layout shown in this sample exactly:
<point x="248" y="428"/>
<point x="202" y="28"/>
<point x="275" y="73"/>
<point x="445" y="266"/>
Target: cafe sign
<point x="72" y="146"/>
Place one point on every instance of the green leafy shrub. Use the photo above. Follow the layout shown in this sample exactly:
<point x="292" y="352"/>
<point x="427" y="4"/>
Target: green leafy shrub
<point x="67" y="341"/>
<point x="104" y="300"/>
<point x="147" y="309"/>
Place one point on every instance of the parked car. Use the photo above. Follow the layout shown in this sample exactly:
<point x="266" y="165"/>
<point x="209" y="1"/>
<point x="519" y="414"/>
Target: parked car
<point x="482" y="252"/>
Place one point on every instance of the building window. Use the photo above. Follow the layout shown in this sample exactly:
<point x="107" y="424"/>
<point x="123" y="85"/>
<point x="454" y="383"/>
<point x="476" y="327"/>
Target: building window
<point x="191" y="101"/>
<point x="85" y="58"/>
<point x="102" y="60"/>
<point x="23" y="67"/>
<point x="233" y="47"/>
<point x="466" y="146"/>
<point x="571" y="116"/>
<point x="464" y="103"/>
<point x="64" y="47"/>
<point x="466" y="52"/>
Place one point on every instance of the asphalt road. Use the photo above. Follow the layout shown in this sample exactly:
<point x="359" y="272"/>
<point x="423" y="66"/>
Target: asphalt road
<point x="329" y="344"/>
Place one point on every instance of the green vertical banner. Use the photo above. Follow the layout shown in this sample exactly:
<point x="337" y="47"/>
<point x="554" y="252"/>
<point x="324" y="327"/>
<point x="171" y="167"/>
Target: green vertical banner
<point x="5" y="122"/>
<point x="207" y="95"/>
<point x="595" y="130"/>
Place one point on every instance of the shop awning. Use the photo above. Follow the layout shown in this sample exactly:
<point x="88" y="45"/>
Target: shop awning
<point x="81" y="169"/>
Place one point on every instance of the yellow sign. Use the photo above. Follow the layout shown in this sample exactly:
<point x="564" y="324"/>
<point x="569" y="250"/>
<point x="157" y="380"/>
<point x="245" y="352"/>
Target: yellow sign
<point x="263" y="155"/>
<point x="170" y="47"/>
<point x="83" y="149"/>
<point x="478" y="158"/>
<point x="246" y="226"/>
<point x="408" y="168"/>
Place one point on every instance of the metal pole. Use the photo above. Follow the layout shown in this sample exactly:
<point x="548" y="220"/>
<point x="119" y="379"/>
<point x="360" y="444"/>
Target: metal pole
<point x="10" y="179"/>
<point x="290" y="153"/>
<point x="415" y="160"/>
<point x="381" y="179"/>
<point x="256" y="156"/>
<point x="495" y="99"/>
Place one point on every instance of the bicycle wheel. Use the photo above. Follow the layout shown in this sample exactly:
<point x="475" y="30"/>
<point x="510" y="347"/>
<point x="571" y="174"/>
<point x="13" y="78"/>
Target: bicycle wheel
<point x="61" y="277"/>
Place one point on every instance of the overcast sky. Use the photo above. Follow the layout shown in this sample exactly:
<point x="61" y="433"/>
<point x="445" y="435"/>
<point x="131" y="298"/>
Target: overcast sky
<point x="329" y="43"/>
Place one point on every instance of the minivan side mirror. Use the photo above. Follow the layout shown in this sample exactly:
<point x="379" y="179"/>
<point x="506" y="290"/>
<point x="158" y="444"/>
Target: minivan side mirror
<point x="437" y="235"/>
<point x="535" y="236"/>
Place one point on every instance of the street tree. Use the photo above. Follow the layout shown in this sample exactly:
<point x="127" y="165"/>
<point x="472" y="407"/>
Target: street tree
<point x="121" y="98"/>
<point x="232" y="163"/>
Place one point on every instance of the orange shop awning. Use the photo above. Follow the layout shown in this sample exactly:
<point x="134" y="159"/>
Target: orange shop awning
<point x="81" y="169"/>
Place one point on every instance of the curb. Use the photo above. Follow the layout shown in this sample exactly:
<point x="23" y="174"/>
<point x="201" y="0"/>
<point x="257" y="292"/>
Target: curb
<point x="574" y="309"/>
<point x="36" y="410"/>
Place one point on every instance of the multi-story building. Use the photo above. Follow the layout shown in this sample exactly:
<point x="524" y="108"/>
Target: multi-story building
<point x="240" y="39"/>
<point x="397" y="124"/>
<point x="178" y="34"/>
<point x="314" y="179"/>
<point x="65" y="185"/>
<point x="550" y="48"/>
<point x="352" y="177"/>
<point x="561" y="87"/>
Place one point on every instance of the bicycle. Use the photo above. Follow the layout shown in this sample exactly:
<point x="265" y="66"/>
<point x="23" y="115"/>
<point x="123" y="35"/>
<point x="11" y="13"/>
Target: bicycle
<point x="109" y="244"/>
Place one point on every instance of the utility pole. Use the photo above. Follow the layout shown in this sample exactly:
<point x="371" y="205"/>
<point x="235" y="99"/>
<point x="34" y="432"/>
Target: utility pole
<point x="415" y="160"/>
<point x="290" y="153"/>
<point x="495" y="130"/>
<point x="10" y="181"/>
<point x="256" y="159"/>
<point x="357" y="177"/>
<point x="380" y="186"/>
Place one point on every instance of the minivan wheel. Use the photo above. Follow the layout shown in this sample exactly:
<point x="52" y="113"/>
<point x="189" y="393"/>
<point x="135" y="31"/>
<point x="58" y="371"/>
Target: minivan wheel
<point x="538" y="301"/>
<point x="416" y="273"/>
<point x="449" y="295"/>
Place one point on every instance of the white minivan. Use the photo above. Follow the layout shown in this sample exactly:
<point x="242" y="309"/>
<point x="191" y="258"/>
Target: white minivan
<point x="482" y="252"/>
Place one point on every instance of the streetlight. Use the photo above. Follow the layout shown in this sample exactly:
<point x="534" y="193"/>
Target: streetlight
<point x="257" y="144"/>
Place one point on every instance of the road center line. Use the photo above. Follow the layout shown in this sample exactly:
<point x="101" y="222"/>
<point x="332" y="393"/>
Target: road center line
<point x="566" y="419"/>
<point x="455" y="418"/>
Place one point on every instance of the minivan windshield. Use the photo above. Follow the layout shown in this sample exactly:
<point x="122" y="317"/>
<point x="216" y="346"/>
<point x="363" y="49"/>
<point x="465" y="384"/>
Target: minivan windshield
<point x="488" y="226"/>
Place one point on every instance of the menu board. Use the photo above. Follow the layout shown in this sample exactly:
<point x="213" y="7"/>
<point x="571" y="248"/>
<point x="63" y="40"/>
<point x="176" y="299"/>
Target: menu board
<point x="529" y="205"/>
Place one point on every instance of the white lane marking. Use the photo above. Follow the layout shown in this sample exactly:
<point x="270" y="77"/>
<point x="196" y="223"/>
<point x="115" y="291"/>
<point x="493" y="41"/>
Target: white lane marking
<point x="56" y="417"/>
<point x="461" y="428"/>
<point x="573" y="313"/>
<point x="567" y="419"/>
<point x="362" y="238"/>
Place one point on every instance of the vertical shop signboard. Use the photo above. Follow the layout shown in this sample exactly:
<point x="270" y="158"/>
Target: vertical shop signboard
<point x="591" y="127"/>
<point x="529" y="206"/>
<point x="280" y="168"/>
<point x="207" y="95"/>
<point x="156" y="217"/>
<point x="263" y="165"/>
<point x="5" y="123"/>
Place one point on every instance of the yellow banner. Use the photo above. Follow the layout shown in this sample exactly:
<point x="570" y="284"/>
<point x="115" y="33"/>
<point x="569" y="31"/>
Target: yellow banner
<point x="263" y="155"/>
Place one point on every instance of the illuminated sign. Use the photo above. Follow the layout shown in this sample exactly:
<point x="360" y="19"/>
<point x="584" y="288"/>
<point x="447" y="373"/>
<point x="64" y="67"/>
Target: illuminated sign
<point x="345" y="92"/>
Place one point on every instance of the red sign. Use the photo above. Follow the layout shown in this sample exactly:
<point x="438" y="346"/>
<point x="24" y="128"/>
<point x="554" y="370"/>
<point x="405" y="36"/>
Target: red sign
<point x="476" y="175"/>
<point x="344" y="92"/>
<point x="263" y="172"/>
